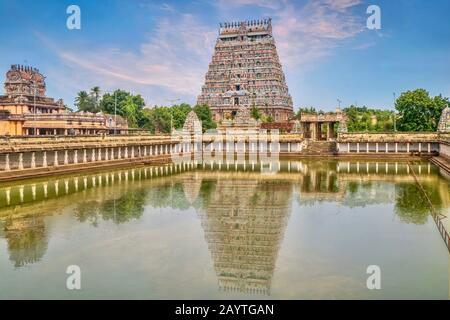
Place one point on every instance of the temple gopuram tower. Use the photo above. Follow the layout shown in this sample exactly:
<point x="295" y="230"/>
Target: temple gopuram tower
<point x="245" y="71"/>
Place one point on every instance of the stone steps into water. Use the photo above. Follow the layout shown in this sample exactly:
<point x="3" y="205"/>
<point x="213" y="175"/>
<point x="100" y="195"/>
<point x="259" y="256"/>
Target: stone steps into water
<point x="320" y="148"/>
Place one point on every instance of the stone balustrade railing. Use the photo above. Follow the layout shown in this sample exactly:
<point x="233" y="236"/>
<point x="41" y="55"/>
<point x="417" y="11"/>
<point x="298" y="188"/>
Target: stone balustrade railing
<point x="32" y="153"/>
<point x="388" y="137"/>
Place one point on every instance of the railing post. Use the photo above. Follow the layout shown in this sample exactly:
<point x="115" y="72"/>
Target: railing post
<point x="33" y="160"/>
<point x="44" y="159"/>
<point x="7" y="166"/>
<point x="21" y="161"/>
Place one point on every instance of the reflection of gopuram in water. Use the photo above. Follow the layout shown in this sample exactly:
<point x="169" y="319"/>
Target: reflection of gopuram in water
<point x="244" y="222"/>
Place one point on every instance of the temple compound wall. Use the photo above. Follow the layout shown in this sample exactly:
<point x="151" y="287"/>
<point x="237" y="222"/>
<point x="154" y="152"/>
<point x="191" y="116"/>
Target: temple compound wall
<point x="30" y="156"/>
<point x="389" y="143"/>
<point x="22" y="157"/>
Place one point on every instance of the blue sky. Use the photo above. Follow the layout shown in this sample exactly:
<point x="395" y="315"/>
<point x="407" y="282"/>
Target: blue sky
<point x="161" y="49"/>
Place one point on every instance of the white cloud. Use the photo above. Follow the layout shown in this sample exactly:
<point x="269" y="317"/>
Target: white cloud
<point x="173" y="60"/>
<point x="314" y="30"/>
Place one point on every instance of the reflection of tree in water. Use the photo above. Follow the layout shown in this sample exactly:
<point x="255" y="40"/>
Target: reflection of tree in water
<point x="128" y="207"/>
<point x="352" y="187"/>
<point x="206" y="190"/>
<point x="410" y="205"/>
<point x="27" y="240"/>
<point x="167" y="195"/>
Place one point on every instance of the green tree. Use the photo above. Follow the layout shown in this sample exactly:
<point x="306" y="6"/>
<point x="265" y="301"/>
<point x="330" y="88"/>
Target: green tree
<point x="368" y="119"/>
<point x="84" y="102"/>
<point x="417" y="111"/>
<point x="204" y="114"/>
<point x="129" y="106"/>
<point x="158" y="119"/>
<point x="255" y="113"/>
<point x="179" y="114"/>
<point x="95" y="94"/>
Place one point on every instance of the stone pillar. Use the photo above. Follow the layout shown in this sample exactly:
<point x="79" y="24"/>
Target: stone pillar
<point x="420" y="147"/>
<point x="396" y="147"/>
<point x="376" y="147"/>
<point x="357" y="147"/>
<point x="348" y="146"/>
<point x="112" y="154"/>
<point x="84" y="155"/>
<point x="20" y="161"/>
<point x="151" y="150"/>
<point x="329" y="130"/>
<point x="132" y="152"/>
<point x="33" y="160"/>
<point x="145" y="151"/>
<point x="66" y="157"/>
<point x="106" y="154"/>
<point x="407" y="147"/>
<point x="126" y="152"/>
<point x="93" y="155"/>
<point x="429" y="147"/>
<point x="7" y="166"/>
<point x="99" y="157"/>
<point x="387" y="147"/>
<point x="44" y="159"/>
<point x="167" y="149"/>
<point x="55" y="159"/>
<point x="75" y="156"/>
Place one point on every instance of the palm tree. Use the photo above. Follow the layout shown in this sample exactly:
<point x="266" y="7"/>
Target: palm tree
<point x="95" y="93"/>
<point x="82" y="101"/>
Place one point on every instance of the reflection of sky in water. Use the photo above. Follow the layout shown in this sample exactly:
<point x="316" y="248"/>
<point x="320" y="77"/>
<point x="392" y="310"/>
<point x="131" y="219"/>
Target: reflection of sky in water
<point x="309" y="231"/>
